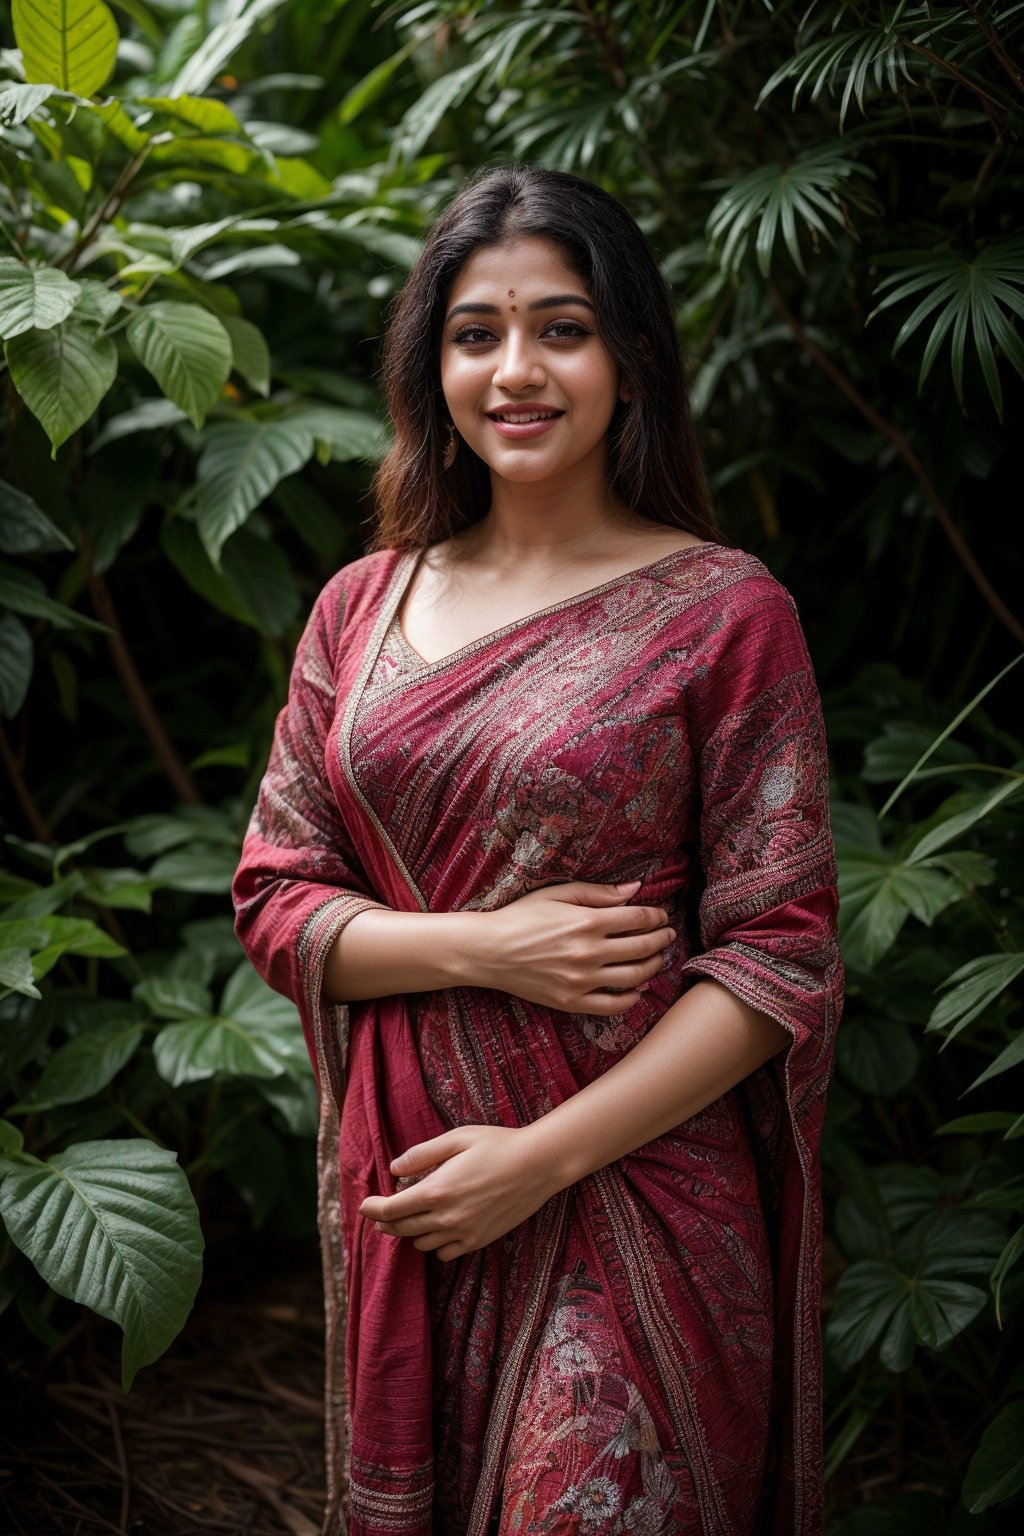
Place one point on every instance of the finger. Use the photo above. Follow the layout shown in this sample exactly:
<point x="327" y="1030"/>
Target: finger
<point x="635" y="919"/>
<point x="639" y="946"/>
<point x="606" y="1004"/>
<point x="586" y="893"/>
<point x="428" y="1241"/>
<point x="443" y="1245"/>
<point x="409" y="1202"/>
<point x="631" y="975"/>
<point x="426" y="1154"/>
<point x="408" y="1226"/>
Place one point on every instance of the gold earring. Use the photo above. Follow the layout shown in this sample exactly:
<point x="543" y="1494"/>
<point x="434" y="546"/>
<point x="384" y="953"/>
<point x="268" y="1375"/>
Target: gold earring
<point x="451" y="448"/>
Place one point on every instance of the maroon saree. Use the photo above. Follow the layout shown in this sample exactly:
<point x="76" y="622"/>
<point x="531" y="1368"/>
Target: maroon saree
<point x="643" y="1355"/>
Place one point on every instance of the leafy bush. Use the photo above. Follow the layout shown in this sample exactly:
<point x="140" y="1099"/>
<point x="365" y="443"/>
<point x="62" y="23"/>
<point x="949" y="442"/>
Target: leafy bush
<point x="191" y="285"/>
<point x="928" y="1198"/>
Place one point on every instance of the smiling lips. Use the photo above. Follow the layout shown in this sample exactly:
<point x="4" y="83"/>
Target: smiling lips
<point x="524" y="423"/>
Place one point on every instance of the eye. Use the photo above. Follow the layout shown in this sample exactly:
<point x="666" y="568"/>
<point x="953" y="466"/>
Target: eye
<point x="566" y="330"/>
<point x="471" y="333"/>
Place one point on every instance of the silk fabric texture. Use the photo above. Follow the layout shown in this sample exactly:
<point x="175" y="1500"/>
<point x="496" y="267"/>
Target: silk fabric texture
<point x="643" y="1355"/>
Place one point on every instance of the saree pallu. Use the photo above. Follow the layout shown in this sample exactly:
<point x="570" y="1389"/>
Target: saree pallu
<point x="643" y="1355"/>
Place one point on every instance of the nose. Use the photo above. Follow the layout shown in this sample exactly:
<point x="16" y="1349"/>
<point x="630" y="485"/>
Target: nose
<point x="518" y="365"/>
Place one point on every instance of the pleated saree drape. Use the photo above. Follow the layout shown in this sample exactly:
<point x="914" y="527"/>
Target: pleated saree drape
<point x="642" y="1356"/>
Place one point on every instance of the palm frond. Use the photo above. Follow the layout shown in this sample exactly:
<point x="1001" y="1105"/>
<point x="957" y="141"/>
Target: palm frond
<point x="813" y="188"/>
<point x="881" y="57"/>
<point x="966" y="296"/>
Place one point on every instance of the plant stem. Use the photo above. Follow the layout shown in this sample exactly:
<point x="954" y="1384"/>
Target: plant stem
<point x="910" y="458"/>
<point x="33" y="815"/>
<point x="167" y="754"/>
<point x="107" y="211"/>
<point x="995" y="43"/>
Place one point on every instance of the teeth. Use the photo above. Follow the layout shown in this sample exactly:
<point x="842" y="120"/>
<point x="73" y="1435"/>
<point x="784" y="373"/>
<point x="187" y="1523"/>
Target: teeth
<point x="526" y="416"/>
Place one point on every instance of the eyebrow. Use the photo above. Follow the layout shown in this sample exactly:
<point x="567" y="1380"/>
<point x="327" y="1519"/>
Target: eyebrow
<point x="556" y="301"/>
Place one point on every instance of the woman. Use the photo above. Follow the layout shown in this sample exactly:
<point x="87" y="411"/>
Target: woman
<point x="542" y="854"/>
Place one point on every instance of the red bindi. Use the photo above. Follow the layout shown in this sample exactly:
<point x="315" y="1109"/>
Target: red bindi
<point x="513" y="309"/>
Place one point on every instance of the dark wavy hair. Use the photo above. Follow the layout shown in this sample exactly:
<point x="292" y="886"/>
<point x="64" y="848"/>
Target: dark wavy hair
<point x="654" y="456"/>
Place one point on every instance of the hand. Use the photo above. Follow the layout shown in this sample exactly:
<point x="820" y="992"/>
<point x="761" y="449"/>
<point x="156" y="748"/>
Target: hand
<point x="478" y="1182"/>
<point x="577" y="947"/>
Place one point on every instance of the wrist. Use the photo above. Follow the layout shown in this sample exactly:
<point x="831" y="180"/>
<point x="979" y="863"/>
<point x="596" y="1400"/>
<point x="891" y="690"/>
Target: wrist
<point x="556" y="1161"/>
<point x="468" y="950"/>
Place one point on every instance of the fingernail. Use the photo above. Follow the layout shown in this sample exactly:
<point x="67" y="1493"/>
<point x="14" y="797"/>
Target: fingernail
<point x="627" y="885"/>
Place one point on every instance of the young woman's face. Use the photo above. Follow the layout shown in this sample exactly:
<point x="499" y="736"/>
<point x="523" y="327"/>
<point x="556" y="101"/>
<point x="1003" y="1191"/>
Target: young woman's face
<point x="520" y="342"/>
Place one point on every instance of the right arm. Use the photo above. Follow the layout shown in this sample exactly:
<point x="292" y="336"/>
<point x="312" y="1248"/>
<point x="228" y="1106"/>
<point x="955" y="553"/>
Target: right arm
<point x="577" y="947"/>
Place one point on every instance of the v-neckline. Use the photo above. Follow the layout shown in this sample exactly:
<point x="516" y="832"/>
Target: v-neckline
<point x="423" y="665"/>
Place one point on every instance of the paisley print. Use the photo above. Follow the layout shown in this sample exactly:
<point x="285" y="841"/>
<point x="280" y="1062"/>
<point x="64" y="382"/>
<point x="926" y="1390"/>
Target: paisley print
<point x="643" y="1355"/>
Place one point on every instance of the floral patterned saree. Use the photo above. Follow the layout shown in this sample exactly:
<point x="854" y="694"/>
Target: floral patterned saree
<point x="643" y="1355"/>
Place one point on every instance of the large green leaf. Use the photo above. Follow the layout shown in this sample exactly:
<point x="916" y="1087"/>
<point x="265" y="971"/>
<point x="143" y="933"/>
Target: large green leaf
<point x="33" y="298"/>
<point x="242" y="462"/>
<point x="919" y="1296"/>
<point x="51" y="937"/>
<point x="202" y="867"/>
<point x="69" y="43"/>
<point x="348" y="434"/>
<point x="62" y="375"/>
<point x="113" y="1225"/>
<point x="878" y="892"/>
<point x="15" y="663"/>
<point x="187" y="351"/>
<point x="194" y="114"/>
<point x="85" y="1065"/>
<point x="255" y="1033"/>
<point x="996" y="1471"/>
<point x="174" y="997"/>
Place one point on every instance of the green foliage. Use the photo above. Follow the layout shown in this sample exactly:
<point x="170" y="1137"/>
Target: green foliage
<point x="111" y="1224"/>
<point x="192" y="280"/>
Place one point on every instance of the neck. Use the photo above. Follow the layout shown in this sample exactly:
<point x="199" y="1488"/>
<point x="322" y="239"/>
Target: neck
<point x="551" y="518"/>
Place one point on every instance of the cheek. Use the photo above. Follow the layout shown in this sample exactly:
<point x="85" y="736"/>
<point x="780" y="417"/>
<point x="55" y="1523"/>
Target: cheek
<point x="460" y="380"/>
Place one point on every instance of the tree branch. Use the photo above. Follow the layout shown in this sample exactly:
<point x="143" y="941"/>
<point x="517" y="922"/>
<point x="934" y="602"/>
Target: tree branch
<point x="913" y="463"/>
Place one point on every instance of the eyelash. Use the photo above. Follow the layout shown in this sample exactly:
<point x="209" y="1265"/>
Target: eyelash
<point x="571" y="331"/>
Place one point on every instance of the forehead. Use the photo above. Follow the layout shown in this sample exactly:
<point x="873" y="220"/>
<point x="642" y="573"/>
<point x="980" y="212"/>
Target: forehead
<point x="524" y="264"/>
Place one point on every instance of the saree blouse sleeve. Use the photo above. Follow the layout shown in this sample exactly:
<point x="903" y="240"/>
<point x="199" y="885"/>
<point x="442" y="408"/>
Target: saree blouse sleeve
<point x="299" y="880"/>
<point x="768" y="908"/>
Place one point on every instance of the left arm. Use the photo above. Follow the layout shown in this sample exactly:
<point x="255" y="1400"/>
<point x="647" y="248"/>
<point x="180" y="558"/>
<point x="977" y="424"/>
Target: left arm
<point x="491" y="1178"/>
